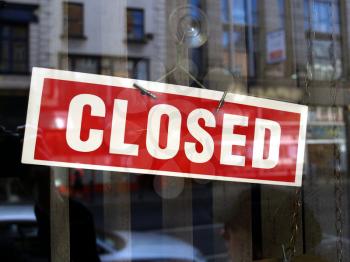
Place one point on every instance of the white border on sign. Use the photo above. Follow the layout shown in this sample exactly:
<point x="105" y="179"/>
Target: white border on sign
<point x="36" y="88"/>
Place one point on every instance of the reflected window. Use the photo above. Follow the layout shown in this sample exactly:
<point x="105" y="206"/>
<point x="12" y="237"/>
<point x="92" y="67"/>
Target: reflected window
<point x="73" y="20"/>
<point x="14" y="48"/>
<point x="135" y="24"/>
<point x="138" y="68"/>
<point x="239" y="11"/>
<point x="324" y="66"/>
<point x="224" y="11"/>
<point x="106" y="65"/>
<point x="239" y="40"/>
<point x="324" y="17"/>
<point x="85" y="64"/>
<point x="322" y="27"/>
<point x="282" y="13"/>
<point x="226" y="48"/>
<point x="240" y="35"/>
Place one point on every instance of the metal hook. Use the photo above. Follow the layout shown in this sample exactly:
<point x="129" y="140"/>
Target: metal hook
<point x="222" y="101"/>
<point x="145" y="91"/>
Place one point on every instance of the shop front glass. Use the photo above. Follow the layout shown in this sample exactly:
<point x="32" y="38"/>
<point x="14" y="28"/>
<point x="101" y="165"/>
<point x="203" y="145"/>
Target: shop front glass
<point x="291" y="51"/>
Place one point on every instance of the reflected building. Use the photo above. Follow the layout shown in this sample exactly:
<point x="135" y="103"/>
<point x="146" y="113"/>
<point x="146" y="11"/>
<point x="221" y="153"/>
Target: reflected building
<point x="289" y="50"/>
<point x="123" y="38"/>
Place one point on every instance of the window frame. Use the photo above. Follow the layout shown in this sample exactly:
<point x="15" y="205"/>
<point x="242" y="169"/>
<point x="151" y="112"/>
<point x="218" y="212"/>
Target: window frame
<point x="250" y="25"/>
<point x="66" y="21"/>
<point x="135" y="60"/>
<point x="136" y="39"/>
<point x="9" y="70"/>
<point x="228" y="14"/>
<point x="313" y="35"/>
<point x="74" y="57"/>
<point x="308" y="19"/>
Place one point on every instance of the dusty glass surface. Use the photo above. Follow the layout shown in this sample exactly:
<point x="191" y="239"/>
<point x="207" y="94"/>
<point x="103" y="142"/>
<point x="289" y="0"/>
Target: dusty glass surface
<point x="65" y="214"/>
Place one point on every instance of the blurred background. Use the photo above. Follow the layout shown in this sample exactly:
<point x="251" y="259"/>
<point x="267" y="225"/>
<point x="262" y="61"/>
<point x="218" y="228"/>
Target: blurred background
<point x="287" y="50"/>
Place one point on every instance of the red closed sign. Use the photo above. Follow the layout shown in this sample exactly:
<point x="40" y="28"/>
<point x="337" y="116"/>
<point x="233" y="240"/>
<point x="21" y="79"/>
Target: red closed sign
<point x="105" y="123"/>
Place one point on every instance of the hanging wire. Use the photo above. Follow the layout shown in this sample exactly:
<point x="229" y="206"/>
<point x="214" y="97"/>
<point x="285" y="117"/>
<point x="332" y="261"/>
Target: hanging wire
<point x="181" y="37"/>
<point x="309" y="72"/>
<point x="336" y="150"/>
<point x="237" y="78"/>
<point x="290" y="251"/>
<point x="182" y="40"/>
<point x="178" y="66"/>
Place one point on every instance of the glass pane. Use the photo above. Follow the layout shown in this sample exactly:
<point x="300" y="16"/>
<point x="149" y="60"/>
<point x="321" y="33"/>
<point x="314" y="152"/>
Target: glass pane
<point x="322" y="49"/>
<point x="323" y="63"/>
<point x="131" y="70"/>
<point x="86" y="65"/>
<point x="74" y="28"/>
<point x="322" y="17"/>
<point x="325" y="16"/>
<point x="255" y="9"/>
<point x="137" y="17"/>
<point x="135" y="24"/>
<point x="224" y="11"/>
<point x="4" y="31"/>
<point x="19" y="56"/>
<point x="73" y="19"/>
<point x="4" y="56"/>
<point x="142" y="70"/>
<point x="281" y="7"/>
<point x="75" y="11"/>
<point x="19" y="32"/>
<point x="14" y="53"/>
<point x="138" y="32"/>
<point x="239" y="12"/>
<point x="239" y="40"/>
<point x="225" y="39"/>
<point x="49" y="212"/>
<point x="19" y="51"/>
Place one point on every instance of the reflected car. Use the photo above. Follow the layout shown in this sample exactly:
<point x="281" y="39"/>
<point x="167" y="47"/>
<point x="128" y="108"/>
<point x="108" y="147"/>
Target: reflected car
<point x="19" y="235"/>
<point x="145" y="246"/>
<point x="328" y="243"/>
<point x="19" y="228"/>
